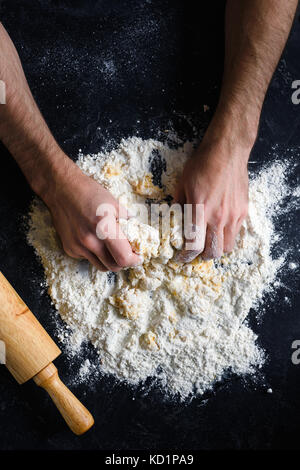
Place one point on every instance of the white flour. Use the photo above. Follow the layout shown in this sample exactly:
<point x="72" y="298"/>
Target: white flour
<point x="184" y="325"/>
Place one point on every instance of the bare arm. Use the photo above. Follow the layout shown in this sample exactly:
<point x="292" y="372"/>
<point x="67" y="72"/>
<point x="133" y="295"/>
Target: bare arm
<point x="22" y="127"/>
<point x="216" y="175"/>
<point x="256" y="33"/>
<point x="71" y="196"/>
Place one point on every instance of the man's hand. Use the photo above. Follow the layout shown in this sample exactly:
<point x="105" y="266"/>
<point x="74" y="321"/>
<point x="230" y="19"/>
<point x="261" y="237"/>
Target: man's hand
<point x="71" y="196"/>
<point x="255" y="34"/>
<point x="216" y="176"/>
<point x="73" y="199"/>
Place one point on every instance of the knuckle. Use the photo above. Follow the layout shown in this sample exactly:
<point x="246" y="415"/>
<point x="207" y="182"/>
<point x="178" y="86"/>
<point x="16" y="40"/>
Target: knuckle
<point x="219" y="217"/>
<point x="230" y="226"/>
<point x="70" y="252"/>
<point x="245" y="213"/>
<point x="231" y="219"/>
<point x="85" y="239"/>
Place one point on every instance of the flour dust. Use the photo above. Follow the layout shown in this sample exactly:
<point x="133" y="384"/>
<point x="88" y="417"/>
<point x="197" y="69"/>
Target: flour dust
<point x="186" y="325"/>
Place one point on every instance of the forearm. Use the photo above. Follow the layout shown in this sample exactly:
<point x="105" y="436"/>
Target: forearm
<point x="22" y="127"/>
<point x="255" y="35"/>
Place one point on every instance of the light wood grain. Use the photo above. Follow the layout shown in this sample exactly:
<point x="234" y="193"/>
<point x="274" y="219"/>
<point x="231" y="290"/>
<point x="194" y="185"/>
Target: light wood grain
<point x="77" y="417"/>
<point x="29" y="354"/>
<point x="29" y="348"/>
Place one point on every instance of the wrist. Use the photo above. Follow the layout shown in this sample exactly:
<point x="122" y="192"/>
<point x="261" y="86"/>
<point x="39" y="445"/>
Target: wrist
<point x="46" y="174"/>
<point x="234" y="129"/>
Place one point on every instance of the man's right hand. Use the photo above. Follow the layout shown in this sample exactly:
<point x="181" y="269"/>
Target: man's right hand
<point x="73" y="199"/>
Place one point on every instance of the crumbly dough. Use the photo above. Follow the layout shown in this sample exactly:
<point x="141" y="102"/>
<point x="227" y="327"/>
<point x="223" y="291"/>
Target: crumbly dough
<point x="183" y="324"/>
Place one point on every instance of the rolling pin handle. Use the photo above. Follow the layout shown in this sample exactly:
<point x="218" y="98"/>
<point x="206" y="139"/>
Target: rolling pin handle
<point x="77" y="417"/>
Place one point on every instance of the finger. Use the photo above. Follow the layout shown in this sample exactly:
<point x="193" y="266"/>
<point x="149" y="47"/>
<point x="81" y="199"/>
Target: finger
<point x="121" y="250"/>
<point x="95" y="261"/>
<point x="110" y="211"/>
<point x="106" y="258"/>
<point x="213" y="242"/>
<point x="98" y="249"/>
<point x="71" y="252"/>
<point x="193" y="246"/>
<point x="230" y="234"/>
<point x="179" y="196"/>
<point x="85" y="254"/>
<point x="229" y="237"/>
<point x="194" y="233"/>
<point x="186" y="256"/>
<point x="108" y="230"/>
<point x="194" y="230"/>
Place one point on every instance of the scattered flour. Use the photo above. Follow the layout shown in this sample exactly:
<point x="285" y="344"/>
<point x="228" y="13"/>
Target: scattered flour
<point x="182" y="324"/>
<point x="293" y="265"/>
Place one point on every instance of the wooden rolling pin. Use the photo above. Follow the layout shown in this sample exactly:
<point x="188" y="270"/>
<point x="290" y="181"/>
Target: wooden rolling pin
<point x="29" y="355"/>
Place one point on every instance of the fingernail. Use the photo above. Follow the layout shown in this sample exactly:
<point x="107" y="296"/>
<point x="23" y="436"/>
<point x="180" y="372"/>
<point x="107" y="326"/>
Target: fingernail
<point x="217" y="254"/>
<point x="186" y="256"/>
<point x="178" y="257"/>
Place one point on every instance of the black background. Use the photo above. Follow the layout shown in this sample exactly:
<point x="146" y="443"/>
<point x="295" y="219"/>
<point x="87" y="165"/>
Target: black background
<point x="109" y="69"/>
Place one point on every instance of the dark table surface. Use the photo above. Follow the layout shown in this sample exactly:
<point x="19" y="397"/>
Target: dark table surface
<point x="100" y="71"/>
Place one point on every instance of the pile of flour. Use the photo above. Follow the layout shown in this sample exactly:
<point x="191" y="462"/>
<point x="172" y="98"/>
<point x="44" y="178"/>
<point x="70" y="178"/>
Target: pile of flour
<point x="185" y="325"/>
